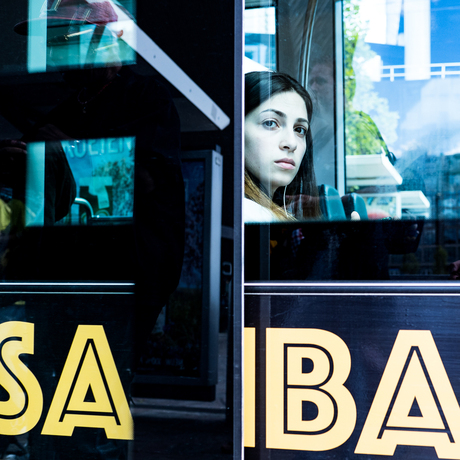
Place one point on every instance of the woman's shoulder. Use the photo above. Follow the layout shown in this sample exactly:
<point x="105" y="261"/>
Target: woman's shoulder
<point x="255" y="213"/>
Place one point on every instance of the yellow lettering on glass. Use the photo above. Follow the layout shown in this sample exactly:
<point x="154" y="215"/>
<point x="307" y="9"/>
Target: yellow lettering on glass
<point x="89" y="392"/>
<point x="424" y="383"/>
<point x="310" y="366"/>
<point x="249" y="389"/>
<point x="22" y="410"/>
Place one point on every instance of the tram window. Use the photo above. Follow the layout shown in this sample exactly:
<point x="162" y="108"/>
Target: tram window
<point x="73" y="139"/>
<point x="110" y="212"/>
<point x="401" y="88"/>
<point x="300" y="35"/>
<point x="303" y="39"/>
<point x="384" y="80"/>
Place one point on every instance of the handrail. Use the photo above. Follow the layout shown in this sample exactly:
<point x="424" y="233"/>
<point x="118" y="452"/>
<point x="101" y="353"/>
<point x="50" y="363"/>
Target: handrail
<point x="86" y="204"/>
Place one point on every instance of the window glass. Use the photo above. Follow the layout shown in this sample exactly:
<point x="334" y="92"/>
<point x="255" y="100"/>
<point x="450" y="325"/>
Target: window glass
<point x="401" y="79"/>
<point x="174" y="345"/>
<point x="52" y="36"/>
<point x="303" y="37"/>
<point x="103" y="172"/>
<point x="401" y="89"/>
<point x="259" y="35"/>
<point x="112" y="146"/>
<point x="382" y="80"/>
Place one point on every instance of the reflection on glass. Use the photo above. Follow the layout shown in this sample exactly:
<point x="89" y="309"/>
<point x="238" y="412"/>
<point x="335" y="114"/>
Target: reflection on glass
<point x="66" y="34"/>
<point x="317" y="72"/>
<point x="402" y="89"/>
<point x="370" y="165"/>
<point x="174" y="345"/>
<point x="84" y="46"/>
<point x="259" y="37"/>
<point x="103" y="172"/>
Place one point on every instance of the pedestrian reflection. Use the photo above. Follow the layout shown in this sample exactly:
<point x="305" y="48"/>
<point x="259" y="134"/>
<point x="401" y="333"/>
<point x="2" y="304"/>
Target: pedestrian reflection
<point x="108" y="100"/>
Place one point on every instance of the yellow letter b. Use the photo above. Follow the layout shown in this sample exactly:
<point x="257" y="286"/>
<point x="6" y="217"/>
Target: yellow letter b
<point x="308" y="406"/>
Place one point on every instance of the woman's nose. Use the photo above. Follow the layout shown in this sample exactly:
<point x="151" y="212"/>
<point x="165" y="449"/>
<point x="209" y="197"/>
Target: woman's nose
<point x="289" y="143"/>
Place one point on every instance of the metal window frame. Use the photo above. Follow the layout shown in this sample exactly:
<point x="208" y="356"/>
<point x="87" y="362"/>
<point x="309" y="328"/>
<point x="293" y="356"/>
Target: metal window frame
<point x="238" y="268"/>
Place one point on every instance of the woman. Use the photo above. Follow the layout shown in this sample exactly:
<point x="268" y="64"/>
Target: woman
<point x="278" y="150"/>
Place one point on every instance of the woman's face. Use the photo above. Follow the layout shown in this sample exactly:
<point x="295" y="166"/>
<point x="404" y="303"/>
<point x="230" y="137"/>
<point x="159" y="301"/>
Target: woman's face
<point x="275" y="140"/>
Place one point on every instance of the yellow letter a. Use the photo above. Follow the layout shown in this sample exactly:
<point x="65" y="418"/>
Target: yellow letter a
<point x="89" y="369"/>
<point x="380" y="437"/>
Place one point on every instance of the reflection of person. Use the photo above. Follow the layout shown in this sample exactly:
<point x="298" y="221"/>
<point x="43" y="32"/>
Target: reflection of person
<point x="321" y="83"/>
<point x="278" y="150"/>
<point x="321" y="86"/>
<point x="110" y="101"/>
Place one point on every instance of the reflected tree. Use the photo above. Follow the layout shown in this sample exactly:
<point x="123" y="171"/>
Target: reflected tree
<point x="365" y="110"/>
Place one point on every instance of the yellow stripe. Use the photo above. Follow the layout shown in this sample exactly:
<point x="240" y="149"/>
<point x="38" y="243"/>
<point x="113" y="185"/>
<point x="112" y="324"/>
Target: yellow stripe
<point x="249" y="387"/>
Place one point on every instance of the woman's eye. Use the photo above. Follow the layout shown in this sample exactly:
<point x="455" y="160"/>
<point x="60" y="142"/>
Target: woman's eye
<point x="270" y="124"/>
<point x="301" y="130"/>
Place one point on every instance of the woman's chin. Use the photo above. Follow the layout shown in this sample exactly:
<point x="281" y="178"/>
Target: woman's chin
<point x="281" y="185"/>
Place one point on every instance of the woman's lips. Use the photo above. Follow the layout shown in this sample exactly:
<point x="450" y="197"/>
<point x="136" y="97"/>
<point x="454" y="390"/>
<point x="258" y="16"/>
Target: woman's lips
<point x="286" y="163"/>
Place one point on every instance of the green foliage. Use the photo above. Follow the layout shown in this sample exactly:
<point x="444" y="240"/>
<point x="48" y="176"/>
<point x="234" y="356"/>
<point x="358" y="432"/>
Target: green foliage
<point x="362" y="135"/>
<point x="361" y="132"/>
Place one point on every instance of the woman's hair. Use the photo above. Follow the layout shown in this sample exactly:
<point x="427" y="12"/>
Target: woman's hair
<point x="259" y="87"/>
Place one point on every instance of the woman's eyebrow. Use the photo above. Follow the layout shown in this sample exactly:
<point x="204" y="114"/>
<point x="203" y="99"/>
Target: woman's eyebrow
<point x="303" y="120"/>
<point x="279" y="113"/>
<point x="283" y="115"/>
